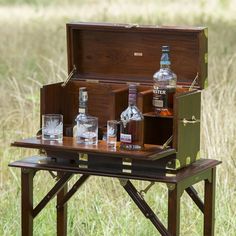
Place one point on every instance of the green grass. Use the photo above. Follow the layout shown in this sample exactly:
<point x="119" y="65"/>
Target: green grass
<point x="33" y="53"/>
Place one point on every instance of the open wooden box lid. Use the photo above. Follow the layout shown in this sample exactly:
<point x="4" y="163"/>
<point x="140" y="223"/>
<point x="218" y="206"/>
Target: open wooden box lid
<point x="131" y="53"/>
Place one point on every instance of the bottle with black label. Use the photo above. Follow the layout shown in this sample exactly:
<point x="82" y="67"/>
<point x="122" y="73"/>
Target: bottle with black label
<point x="132" y="124"/>
<point x="164" y="85"/>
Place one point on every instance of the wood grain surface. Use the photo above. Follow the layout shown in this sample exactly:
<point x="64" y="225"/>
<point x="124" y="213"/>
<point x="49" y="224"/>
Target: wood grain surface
<point x="150" y="152"/>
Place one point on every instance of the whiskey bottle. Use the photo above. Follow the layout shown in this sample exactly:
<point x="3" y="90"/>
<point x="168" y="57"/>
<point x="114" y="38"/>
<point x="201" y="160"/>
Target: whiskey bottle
<point x="164" y="85"/>
<point x="132" y="124"/>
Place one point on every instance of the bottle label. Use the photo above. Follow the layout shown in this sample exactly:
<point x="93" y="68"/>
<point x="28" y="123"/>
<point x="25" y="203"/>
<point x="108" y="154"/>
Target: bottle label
<point x="126" y="138"/>
<point x="81" y="110"/>
<point x="160" y="98"/>
<point x="85" y="96"/>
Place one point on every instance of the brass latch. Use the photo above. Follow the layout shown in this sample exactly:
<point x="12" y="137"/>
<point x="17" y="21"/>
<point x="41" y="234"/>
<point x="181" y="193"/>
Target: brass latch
<point x="192" y="121"/>
<point x="83" y="157"/>
<point x="69" y="76"/>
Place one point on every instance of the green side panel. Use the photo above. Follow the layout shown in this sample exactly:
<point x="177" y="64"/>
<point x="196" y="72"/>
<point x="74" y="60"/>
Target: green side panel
<point x="188" y="133"/>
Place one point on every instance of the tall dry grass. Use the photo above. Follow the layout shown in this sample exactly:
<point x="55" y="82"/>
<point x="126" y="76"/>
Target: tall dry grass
<point x="33" y="53"/>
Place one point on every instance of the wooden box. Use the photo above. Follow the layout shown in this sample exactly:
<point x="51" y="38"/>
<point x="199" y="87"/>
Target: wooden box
<point x="106" y="58"/>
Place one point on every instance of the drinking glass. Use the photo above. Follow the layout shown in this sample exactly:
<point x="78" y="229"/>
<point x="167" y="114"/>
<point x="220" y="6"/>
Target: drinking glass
<point x="87" y="130"/>
<point x="112" y="133"/>
<point x="52" y="127"/>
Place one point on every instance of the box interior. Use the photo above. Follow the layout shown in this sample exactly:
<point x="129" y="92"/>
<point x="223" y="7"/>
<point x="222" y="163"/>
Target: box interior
<point x="121" y="54"/>
<point x="106" y="101"/>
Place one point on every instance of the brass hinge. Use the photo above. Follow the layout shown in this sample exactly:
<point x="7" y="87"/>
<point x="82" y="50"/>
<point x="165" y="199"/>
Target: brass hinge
<point x="123" y="182"/>
<point x="171" y="186"/>
<point x="174" y="164"/>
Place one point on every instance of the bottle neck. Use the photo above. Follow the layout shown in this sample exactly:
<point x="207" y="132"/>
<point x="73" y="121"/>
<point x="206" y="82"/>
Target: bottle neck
<point x="132" y="94"/>
<point x="165" y="61"/>
<point x="132" y="99"/>
<point x="83" y="101"/>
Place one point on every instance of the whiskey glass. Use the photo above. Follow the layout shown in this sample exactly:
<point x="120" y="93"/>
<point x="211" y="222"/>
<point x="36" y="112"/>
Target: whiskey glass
<point x="52" y="127"/>
<point x="87" y="130"/>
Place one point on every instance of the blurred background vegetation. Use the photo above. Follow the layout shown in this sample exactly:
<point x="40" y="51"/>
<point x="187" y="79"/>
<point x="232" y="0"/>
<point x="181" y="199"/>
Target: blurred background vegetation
<point x="33" y="53"/>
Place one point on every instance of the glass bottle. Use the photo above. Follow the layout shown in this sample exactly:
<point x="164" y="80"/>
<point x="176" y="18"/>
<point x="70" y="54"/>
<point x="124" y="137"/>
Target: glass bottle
<point x="132" y="124"/>
<point x="164" y="85"/>
<point x="86" y="131"/>
<point x="83" y="100"/>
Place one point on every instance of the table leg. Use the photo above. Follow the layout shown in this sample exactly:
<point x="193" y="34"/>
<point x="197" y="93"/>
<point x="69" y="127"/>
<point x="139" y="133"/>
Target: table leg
<point x="209" y="205"/>
<point x="27" y="202"/>
<point x="144" y="207"/>
<point x="173" y="210"/>
<point x="62" y="211"/>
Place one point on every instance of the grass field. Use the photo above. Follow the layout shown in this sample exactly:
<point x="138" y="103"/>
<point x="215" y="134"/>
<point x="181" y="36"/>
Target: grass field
<point x="33" y="53"/>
